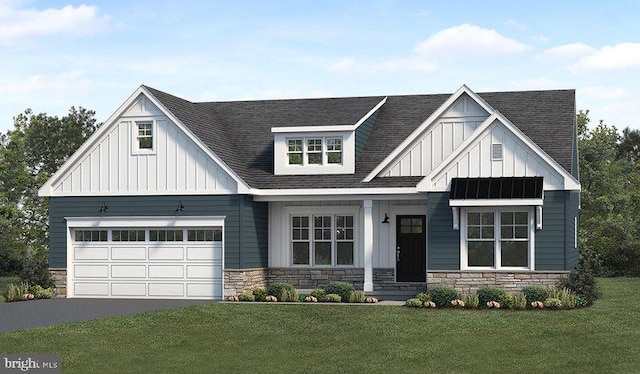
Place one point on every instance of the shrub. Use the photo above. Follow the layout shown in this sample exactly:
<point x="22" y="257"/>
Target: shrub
<point x="413" y="303"/>
<point x="260" y="293"/>
<point x="423" y="297"/>
<point x="553" y="303"/>
<point x="516" y="301"/>
<point x="331" y="298"/>
<point x="283" y="291"/>
<point x="582" y="282"/>
<point x="42" y="293"/>
<point x="318" y="293"/>
<point x="566" y="297"/>
<point x="16" y="292"/>
<point x="488" y="293"/>
<point x="356" y="297"/>
<point x="535" y="293"/>
<point x="470" y="301"/>
<point x="340" y="288"/>
<point x="442" y="295"/>
<point x="246" y="296"/>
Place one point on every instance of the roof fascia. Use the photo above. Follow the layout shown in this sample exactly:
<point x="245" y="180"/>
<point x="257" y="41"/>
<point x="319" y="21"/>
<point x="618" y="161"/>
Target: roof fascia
<point x="428" y="122"/>
<point x="293" y="129"/>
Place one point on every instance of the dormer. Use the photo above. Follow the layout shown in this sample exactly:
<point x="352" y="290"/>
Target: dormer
<point x="305" y="150"/>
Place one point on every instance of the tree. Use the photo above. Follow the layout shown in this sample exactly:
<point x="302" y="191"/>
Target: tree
<point x="29" y="154"/>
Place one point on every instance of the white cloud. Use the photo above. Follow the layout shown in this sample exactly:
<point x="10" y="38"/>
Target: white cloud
<point x="541" y="38"/>
<point x="17" y="23"/>
<point x="344" y="65"/>
<point x="575" y="50"/>
<point x="515" y="24"/>
<point x="468" y="42"/>
<point x="619" y="56"/>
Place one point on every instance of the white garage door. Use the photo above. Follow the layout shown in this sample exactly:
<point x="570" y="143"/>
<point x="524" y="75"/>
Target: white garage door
<point x="122" y="258"/>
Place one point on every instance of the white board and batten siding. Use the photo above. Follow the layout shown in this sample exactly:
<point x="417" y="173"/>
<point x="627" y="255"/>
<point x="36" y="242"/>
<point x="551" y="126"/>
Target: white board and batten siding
<point x="439" y="140"/>
<point x="176" y="164"/>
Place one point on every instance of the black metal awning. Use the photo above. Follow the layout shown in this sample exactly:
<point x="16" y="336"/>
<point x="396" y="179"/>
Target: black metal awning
<point x="496" y="188"/>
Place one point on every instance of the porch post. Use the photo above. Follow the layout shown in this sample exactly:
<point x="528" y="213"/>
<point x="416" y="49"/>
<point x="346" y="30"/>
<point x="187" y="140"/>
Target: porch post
<point x="368" y="245"/>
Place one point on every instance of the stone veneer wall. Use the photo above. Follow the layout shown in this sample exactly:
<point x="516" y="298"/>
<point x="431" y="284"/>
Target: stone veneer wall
<point x="59" y="279"/>
<point x="469" y="282"/>
<point x="238" y="280"/>
<point x="308" y="278"/>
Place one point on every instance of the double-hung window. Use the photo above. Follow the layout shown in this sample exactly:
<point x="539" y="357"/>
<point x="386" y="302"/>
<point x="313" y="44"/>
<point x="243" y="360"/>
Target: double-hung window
<point x="497" y="238"/>
<point x="314" y="151"/>
<point x="145" y="135"/>
<point x="322" y="240"/>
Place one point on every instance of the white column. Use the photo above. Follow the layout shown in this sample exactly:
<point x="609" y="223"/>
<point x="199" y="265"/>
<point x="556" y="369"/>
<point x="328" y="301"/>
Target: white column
<point x="368" y="245"/>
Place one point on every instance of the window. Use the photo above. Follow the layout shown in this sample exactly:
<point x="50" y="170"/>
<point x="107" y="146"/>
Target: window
<point x="204" y="235"/>
<point x="331" y="242"/>
<point x="295" y="151"/>
<point x="90" y="235"/>
<point x="316" y="151"/>
<point x="128" y="235"/>
<point x="166" y="235"/>
<point x="145" y="135"/>
<point x="497" y="238"/>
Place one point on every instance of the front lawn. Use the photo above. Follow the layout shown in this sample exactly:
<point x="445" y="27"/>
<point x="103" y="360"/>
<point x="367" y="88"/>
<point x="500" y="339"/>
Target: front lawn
<point x="265" y="338"/>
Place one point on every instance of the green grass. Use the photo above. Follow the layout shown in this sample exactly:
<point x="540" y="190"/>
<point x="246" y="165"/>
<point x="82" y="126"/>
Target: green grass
<point x="4" y="282"/>
<point x="245" y="338"/>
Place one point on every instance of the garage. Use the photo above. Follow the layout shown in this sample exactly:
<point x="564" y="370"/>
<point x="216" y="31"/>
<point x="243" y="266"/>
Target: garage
<point x="145" y="257"/>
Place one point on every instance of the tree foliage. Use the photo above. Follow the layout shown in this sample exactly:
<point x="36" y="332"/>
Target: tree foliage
<point x="610" y="199"/>
<point x="29" y="154"/>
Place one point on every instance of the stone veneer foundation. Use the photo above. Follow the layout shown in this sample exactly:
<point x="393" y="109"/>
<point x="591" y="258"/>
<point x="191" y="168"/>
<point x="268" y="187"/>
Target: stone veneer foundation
<point x="237" y="281"/>
<point x="59" y="279"/>
<point x="469" y="282"/>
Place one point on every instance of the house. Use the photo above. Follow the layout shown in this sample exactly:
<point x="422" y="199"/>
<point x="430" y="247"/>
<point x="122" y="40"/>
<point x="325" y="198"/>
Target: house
<point x="178" y="199"/>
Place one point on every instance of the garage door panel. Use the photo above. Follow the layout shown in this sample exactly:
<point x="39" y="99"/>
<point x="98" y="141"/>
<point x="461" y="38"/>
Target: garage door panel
<point x="204" y="253"/>
<point x="166" y="289"/>
<point x="166" y="253"/>
<point x="204" y="290"/>
<point x="128" y="289"/>
<point x="203" y="271"/>
<point x="166" y="271"/>
<point x="90" y="253"/>
<point x="91" y="271"/>
<point x="129" y="253"/>
<point x="128" y="271"/>
<point x="91" y="289"/>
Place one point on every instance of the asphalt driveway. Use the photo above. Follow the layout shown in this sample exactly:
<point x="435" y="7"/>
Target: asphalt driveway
<point x="50" y="312"/>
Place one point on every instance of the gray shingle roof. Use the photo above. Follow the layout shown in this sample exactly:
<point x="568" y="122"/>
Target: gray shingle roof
<point x="239" y="132"/>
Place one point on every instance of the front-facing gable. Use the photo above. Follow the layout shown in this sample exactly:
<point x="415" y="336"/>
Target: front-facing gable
<point x="114" y="161"/>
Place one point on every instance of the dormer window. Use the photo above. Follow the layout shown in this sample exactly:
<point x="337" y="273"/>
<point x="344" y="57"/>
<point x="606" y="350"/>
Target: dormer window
<point x="295" y="151"/>
<point x="326" y="152"/>
<point x="334" y="150"/>
<point x="316" y="151"/>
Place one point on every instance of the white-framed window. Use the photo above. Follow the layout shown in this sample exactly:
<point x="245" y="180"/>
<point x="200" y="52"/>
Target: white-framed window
<point x="144" y="137"/>
<point x="322" y="240"/>
<point x="497" y="238"/>
<point x="314" y="151"/>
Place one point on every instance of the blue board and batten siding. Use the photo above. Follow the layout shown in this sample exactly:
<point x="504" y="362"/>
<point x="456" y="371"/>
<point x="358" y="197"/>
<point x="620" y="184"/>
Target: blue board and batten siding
<point x="245" y="235"/>
<point x="555" y="243"/>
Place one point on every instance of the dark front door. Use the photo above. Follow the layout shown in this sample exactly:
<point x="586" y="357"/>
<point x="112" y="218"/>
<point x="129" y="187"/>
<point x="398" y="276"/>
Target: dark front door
<point x="411" y="249"/>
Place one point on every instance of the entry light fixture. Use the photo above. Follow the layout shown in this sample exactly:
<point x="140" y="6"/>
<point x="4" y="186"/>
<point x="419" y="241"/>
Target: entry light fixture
<point x="103" y="208"/>
<point x="180" y="207"/>
<point x="386" y="218"/>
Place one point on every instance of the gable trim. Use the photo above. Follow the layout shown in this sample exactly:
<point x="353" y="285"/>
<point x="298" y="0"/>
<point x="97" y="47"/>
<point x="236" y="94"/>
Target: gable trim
<point x="428" y="122"/>
<point x="47" y="188"/>
<point x="570" y="183"/>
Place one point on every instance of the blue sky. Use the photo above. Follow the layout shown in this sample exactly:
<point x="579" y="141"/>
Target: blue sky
<point x="58" y="54"/>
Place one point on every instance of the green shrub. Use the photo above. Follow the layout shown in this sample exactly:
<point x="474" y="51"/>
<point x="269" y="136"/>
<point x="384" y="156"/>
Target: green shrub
<point x="331" y="298"/>
<point x="516" y="301"/>
<point x="340" y="288"/>
<point x="42" y="293"/>
<point x="302" y="296"/>
<point x="535" y="293"/>
<point x="283" y="291"/>
<point x="414" y="303"/>
<point x="489" y="293"/>
<point x="422" y="296"/>
<point x="553" y="303"/>
<point x="580" y="302"/>
<point x="582" y="282"/>
<point x="356" y="297"/>
<point x="246" y="296"/>
<point x="566" y="297"/>
<point x="16" y="292"/>
<point x="318" y="293"/>
<point x="442" y="296"/>
<point x="470" y="301"/>
<point x="260" y="293"/>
